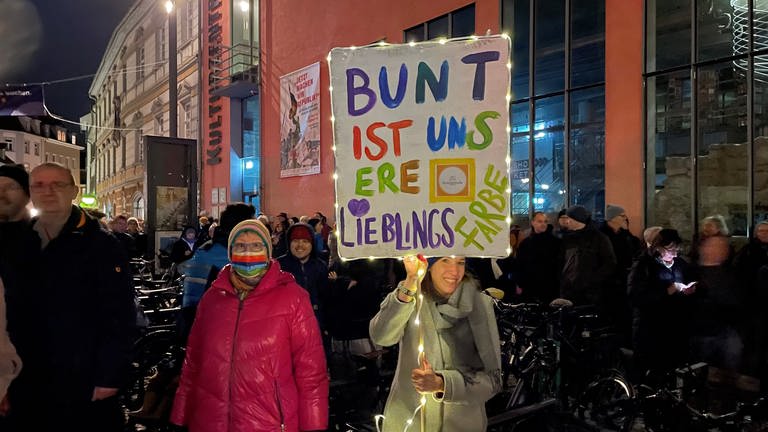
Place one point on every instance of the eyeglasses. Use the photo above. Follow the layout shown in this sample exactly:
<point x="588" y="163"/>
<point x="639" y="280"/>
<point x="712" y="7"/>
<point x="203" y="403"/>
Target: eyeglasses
<point x="54" y="186"/>
<point x="10" y="188"/>
<point x="248" y="247"/>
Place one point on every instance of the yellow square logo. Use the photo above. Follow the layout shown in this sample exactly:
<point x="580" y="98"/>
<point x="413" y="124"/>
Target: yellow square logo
<point x="451" y="180"/>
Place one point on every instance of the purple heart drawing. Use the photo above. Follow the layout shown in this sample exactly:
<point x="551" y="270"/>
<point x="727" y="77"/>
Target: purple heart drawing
<point x="358" y="208"/>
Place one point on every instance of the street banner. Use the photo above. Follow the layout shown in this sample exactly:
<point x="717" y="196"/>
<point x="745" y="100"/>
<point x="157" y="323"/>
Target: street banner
<point x="421" y="144"/>
<point x="300" y="122"/>
<point x="21" y="100"/>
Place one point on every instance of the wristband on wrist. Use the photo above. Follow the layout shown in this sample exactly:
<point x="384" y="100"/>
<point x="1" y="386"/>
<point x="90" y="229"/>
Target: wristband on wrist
<point x="403" y="289"/>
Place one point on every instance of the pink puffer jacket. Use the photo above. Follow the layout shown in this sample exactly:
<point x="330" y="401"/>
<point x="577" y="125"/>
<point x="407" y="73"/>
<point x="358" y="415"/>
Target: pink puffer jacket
<point x="256" y="364"/>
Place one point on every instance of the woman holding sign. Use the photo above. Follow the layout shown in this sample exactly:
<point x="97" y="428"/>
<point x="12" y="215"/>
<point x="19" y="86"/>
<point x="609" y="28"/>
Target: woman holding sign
<point x="449" y="361"/>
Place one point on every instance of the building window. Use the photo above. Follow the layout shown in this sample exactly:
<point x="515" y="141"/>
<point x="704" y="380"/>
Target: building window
<point x="188" y="20"/>
<point x="140" y="64"/>
<point x="139" y="147"/>
<point x="558" y="159"/>
<point x="458" y="23"/>
<point x="161" y="46"/>
<point x="123" y="145"/>
<point x="138" y="207"/>
<point x="188" y="119"/>
<point x="26" y="147"/>
<point x="37" y="149"/>
<point x="8" y="144"/>
<point x="159" y="124"/>
<point x="706" y="140"/>
<point x="251" y="152"/>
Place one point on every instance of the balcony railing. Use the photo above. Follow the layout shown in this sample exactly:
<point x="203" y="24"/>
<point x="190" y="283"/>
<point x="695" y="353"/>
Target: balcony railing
<point x="236" y="73"/>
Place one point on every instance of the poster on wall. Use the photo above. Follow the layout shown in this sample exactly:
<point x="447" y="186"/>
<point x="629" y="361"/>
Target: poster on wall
<point x="171" y="208"/>
<point x="421" y="144"/>
<point x="300" y="122"/>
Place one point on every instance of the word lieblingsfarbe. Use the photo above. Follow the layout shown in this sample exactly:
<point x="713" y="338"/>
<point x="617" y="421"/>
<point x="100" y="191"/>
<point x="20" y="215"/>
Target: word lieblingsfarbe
<point x="422" y="229"/>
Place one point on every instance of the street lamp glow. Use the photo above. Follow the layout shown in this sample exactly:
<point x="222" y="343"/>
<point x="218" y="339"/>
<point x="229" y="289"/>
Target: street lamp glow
<point x="169" y="6"/>
<point x="244" y="6"/>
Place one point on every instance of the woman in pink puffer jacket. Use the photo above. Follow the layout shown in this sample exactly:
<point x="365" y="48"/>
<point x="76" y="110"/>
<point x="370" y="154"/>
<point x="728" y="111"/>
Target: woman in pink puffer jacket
<point x="255" y="359"/>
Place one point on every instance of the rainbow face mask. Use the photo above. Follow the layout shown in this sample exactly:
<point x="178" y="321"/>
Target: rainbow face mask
<point x="249" y="264"/>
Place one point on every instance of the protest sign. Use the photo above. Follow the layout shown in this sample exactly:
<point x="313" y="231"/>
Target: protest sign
<point x="421" y="144"/>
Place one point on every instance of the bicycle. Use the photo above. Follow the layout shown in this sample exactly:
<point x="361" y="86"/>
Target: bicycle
<point x="544" y="353"/>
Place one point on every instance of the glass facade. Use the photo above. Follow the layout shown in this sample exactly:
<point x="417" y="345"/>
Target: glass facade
<point x="558" y="106"/>
<point x="458" y="23"/>
<point x="706" y="88"/>
<point x="251" y="152"/>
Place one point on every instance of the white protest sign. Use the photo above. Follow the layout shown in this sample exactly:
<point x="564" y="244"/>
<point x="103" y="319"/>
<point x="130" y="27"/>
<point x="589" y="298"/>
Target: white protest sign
<point x="421" y="141"/>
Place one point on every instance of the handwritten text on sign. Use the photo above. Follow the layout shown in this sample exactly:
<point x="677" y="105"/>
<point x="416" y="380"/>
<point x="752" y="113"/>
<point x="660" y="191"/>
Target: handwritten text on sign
<point x="421" y="148"/>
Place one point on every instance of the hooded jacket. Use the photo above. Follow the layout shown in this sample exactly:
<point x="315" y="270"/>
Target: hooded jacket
<point x="311" y="275"/>
<point x="256" y="364"/>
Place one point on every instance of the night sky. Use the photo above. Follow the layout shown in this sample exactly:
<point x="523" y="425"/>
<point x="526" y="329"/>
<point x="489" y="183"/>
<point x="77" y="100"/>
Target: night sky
<point x="48" y="40"/>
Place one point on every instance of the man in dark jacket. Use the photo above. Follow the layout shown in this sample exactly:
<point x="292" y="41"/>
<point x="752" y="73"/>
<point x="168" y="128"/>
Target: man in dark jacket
<point x="537" y="261"/>
<point x="301" y="261"/>
<point x="626" y="247"/>
<point x="74" y="319"/>
<point x="587" y="260"/>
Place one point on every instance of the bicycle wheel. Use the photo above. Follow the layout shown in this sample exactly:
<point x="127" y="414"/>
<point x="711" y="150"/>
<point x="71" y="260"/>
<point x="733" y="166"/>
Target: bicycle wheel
<point x="608" y="403"/>
<point x="148" y="353"/>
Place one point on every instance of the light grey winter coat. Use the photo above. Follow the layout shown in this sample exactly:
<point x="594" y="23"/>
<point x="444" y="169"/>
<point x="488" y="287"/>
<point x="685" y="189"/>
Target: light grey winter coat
<point x="461" y="342"/>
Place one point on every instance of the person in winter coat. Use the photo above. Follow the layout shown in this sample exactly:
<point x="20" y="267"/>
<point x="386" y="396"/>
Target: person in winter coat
<point x="10" y="363"/>
<point x="587" y="261"/>
<point x="537" y="262"/>
<point x="73" y="320"/>
<point x="460" y="366"/>
<point x="303" y="263"/>
<point x="185" y="246"/>
<point x="659" y="287"/>
<point x="255" y="359"/>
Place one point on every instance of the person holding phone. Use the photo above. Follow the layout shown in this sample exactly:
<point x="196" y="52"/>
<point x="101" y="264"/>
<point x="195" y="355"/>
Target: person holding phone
<point x="660" y="286"/>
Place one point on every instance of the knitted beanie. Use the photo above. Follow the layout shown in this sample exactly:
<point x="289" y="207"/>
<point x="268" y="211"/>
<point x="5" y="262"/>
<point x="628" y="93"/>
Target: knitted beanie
<point x="250" y="225"/>
<point x="611" y="211"/>
<point x="300" y="232"/>
<point x="578" y="213"/>
<point x="18" y="173"/>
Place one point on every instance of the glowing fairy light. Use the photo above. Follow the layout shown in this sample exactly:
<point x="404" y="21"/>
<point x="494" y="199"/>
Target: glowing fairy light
<point x="509" y="65"/>
<point x="333" y="148"/>
<point x="505" y="35"/>
<point x="328" y="58"/>
<point x="335" y="176"/>
<point x="330" y="89"/>
<point x="509" y="97"/>
<point x="509" y="250"/>
<point x="443" y="41"/>
<point x="416" y="321"/>
<point x="333" y="119"/>
<point x="412" y="43"/>
<point x="508" y="220"/>
<point x="421" y="348"/>
<point x="508" y="160"/>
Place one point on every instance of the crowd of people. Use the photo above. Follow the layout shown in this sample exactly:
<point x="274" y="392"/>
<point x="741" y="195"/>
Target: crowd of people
<point x="268" y="306"/>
